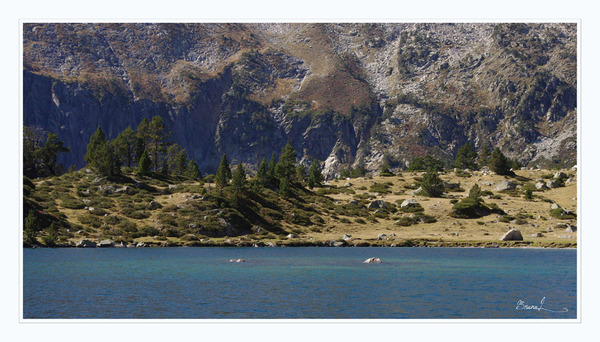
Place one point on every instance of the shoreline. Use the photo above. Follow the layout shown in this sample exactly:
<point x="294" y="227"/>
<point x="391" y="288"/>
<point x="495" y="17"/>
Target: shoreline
<point x="332" y="244"/>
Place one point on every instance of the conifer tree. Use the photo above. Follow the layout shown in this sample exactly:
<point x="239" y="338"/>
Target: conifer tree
<point x="181" y="161"/>
<point x="261" y="174"/>
<point x="192" y="171"/>
<point x="285" y="167"/>
<point x="156" y="140"/>
<point x="125" y="146"/>
<point x="499" y="163"/>
<point x="238" y="181"/>
<point x="475" y="193"/>
<point x="385" y="170"/>
<point x="315" y="178"/>
<point x="285" y="189"/>
<point x="484" y="155"/>
<point x="432" y="184"/>
<point x="271" y="176"/>
<point x="300" y="172"/>
<point x="47" y="154"/>
<point x="223" y="174"/>
<point x="101" y="156"/>
<point x="144" y="164"/>
<point x="142" y="138"/>
<point x="31" y="228"/>
<point x="164" y="170"/>
<point x="466" y="157"/>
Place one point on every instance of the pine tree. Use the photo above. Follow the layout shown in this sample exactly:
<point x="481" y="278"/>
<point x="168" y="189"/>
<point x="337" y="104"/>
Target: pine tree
<point x="125" y="146"/>
<point x="300" y="172"/>
<point x="475" y="193"/>
<point x="181" y="161"/>
<point x="425" y="163"/>
<point x="315" y="178"/>
<point x="144" y="164"/>
<point x="101" y="155"/>
<point x="499" y="163"/>
<point x="192" y="171"/>
<point x="432" y="184"/>
<point x="156" y="140"/>
<point x="238" y="181"/>
<point x="385" y="170"/>
<point x="40" y="151"/>
<point x="285" y="167"/>
<point x="484" y="155"/>
<point x="285" y="189"/>
<point x="261" y="174"/>
<point x="31" y="228"/>
<point x="47" y="154"/>
<point x="223" y="174"/>
<point x="466" y="157"/>
<point x="142" y="137"/>
<point x="271" y="176"/>
<point x="164" y="170"/>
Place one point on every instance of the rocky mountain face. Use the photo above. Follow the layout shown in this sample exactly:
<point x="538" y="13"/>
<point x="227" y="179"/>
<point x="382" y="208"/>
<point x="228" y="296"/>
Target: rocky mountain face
<point x="345" y="94"/>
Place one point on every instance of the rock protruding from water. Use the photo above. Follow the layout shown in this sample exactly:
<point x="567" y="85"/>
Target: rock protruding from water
<point x="372" y="260"/>
<point x="106" y="243"/>
<point x="86" y="244"/>
<point x="512" y="235"/>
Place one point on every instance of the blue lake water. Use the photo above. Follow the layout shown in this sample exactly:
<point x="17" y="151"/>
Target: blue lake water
<point x="300" y="282"/>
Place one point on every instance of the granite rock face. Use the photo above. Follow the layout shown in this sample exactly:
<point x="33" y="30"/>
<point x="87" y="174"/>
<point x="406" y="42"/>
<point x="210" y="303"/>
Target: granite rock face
<point x="344" y="94"/>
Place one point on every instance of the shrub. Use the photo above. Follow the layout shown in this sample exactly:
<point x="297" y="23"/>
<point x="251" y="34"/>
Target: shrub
<point x="426" y="218"/>
<point x="560" y="213"/>
<point x="469" y="208"/>
<point x="148" y="231"/>
<point x="405" y="221"/>
<point x="412" y="209"/>
<point x="432" y="184"/>
<point x="380" y="188"/>
<point x="137" y="214"/>
<point x="72" y="203"/>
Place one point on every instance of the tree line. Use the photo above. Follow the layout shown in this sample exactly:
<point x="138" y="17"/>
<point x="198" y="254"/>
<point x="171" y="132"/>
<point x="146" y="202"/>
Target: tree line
<point x="147" y="149"/>
<point x="279" y="174"/>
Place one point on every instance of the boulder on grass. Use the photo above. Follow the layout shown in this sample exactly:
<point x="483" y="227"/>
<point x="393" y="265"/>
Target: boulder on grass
<point x="409" y="203"/>
<point x="505" y="185"/>
<point x="377" y="204"/>
<point x="512" y="235"/>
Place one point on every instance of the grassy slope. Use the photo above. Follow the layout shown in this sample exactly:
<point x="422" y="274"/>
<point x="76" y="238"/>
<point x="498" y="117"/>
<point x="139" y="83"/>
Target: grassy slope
<point x="317" y="217"/>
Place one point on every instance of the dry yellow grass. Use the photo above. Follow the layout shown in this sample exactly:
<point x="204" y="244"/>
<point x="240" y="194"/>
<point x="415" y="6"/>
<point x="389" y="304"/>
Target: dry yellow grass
<point x="447" y="228"/>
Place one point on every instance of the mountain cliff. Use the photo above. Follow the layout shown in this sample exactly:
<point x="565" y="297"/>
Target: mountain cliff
<point x="345" y="94"/>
